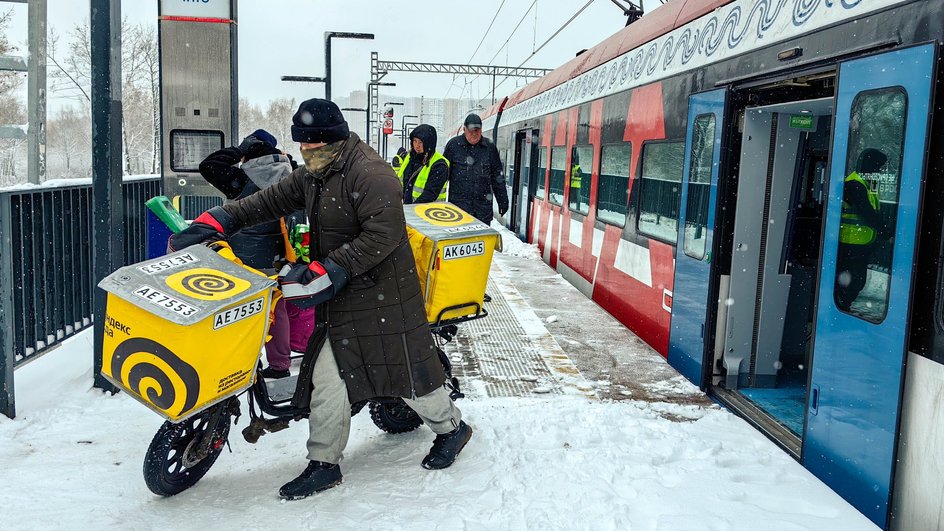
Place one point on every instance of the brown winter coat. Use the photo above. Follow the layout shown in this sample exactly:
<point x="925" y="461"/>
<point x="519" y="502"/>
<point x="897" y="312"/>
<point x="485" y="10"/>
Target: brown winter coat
<point x="377" y="324"/>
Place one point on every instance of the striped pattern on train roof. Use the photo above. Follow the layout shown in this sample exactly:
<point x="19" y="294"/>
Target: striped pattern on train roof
<point x="679" y="36"/>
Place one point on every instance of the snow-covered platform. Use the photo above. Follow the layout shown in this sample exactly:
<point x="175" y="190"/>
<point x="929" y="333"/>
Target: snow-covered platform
<point x="646" y="451"/>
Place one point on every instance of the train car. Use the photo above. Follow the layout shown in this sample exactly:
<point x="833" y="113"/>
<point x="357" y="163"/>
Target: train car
<point x="754" y="189"/>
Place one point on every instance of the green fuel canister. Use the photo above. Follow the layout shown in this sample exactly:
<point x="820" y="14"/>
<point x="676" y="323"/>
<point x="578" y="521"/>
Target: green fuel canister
<point x="162" y="207"/>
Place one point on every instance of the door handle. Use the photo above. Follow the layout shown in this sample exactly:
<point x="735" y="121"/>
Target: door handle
<point x="814" y="400"/>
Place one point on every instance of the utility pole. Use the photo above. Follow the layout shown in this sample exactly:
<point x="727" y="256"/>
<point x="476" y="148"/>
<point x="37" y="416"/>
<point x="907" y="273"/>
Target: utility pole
<point x="107" y="211"/>
<point x="403" y="134"/>
<point x="36" y="91"/>
<point x="373" y="96"/>
<point x="340" y="35"/>
<point x="366" y="118"/>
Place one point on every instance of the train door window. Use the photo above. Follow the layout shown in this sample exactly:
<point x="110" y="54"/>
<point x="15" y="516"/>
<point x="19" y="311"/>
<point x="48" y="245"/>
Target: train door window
<point x="188" y="148"/>
<point x="541" y="189"/>
<point x="558" y="169"/>
<point x="660" y="189"/>
<point x="581" y="168"/>
<point x="699" y="187"/>
<point x="613" y="190"/>
<point x="870" y="203"/>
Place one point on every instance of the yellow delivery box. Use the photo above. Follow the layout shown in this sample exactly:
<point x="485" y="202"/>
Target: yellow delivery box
<point x="184" y="331"/>
<point x="453" y="252"/>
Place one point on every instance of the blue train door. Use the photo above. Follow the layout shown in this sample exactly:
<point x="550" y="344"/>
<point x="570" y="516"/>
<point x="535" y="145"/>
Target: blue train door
<point x="696" y="228"/>
<point x="883" y="105"/>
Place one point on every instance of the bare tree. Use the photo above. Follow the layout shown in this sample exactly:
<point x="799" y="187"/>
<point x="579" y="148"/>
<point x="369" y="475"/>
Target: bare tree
<point x="140" y="88"/>
<point x="12" y="112"/>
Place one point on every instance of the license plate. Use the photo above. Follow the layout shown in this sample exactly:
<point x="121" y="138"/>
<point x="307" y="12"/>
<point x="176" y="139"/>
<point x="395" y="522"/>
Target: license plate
<point x="238" y="313"/>
<point x="463" y="250"/>
<point x="159" y="298"/>
<point x="168" y="264"/>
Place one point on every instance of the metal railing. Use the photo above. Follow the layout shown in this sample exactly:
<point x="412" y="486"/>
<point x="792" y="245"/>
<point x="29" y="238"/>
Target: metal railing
<point x="47" y="284"/>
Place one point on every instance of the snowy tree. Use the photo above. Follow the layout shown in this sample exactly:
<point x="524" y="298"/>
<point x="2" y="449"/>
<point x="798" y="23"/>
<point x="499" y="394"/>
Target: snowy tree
<point x="12" y="112"/>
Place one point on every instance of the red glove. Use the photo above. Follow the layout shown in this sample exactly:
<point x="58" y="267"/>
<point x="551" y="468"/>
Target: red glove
<point x="212" y="225"/>
<point x="307" y="285"/>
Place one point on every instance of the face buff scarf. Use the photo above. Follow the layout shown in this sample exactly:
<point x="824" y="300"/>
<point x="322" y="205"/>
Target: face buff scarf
<point x="317" y="160"/>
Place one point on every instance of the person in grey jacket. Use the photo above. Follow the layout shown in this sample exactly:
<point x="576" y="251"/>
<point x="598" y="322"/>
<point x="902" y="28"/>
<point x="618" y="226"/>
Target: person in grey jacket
<point x="239" y="172"/>
<point x="475" y="174"/>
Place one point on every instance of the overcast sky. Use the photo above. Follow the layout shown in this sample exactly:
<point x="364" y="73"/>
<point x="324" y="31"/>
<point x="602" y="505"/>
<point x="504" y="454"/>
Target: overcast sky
<point x="285" y="37"/>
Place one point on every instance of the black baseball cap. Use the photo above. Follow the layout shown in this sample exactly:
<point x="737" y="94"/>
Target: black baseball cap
<point x="473" y="121"/>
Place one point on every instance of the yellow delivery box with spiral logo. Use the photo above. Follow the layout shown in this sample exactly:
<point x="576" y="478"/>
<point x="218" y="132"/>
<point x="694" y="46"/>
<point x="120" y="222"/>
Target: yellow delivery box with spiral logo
<point x="184" y="331"/>
<point x="453" y="253"/>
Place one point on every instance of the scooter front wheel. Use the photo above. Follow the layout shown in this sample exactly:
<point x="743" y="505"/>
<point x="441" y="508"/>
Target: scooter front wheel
<point x="175" y="460"/>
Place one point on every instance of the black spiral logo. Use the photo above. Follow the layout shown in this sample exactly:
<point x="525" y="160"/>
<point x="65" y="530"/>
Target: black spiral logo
<point x="444" y="215"/>
<point x="206" y="284"/>
<point x="165" y="395"/>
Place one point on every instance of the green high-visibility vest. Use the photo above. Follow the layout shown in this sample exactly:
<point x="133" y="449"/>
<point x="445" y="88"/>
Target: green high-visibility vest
<point x="420" y="183"/>
<point x="576" y="176"/>
<point x="853" y="230"/>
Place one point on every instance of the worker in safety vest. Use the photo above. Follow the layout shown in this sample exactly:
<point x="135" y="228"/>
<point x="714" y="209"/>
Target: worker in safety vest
<point x="861" y="227"/>
<point x="398" y="159"/>
<point x="576" y="180"/>
<point x="424" y="171"/>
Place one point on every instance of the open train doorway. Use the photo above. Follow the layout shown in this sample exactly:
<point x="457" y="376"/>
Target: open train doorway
<point x="766" y="346"/>
<point x="522" y="184"/>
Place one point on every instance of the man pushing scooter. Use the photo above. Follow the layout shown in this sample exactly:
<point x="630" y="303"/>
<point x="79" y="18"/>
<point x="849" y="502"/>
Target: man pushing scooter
<point x="372" y="338"/>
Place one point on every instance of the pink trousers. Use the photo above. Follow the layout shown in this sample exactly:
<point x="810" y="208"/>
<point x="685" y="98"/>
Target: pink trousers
<point x="290" y="332"/>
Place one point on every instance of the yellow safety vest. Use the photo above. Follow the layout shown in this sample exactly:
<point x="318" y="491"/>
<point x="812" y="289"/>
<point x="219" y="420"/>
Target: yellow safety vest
<point x="576" y="176"/>
<point x="853" y="230"/>
<point x="420" y="183"/>
<point x="397" y="162"/>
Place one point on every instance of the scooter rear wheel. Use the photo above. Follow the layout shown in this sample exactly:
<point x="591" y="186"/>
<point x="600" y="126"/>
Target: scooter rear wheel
<point x="394" y="417"/>
<point x="172" y="464"/>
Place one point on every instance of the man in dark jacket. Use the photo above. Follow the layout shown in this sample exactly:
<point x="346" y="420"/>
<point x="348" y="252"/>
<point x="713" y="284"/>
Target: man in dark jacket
<point x="475" y="172"/>
<point x="372" y="337"/>
<point x="424" y="171"/>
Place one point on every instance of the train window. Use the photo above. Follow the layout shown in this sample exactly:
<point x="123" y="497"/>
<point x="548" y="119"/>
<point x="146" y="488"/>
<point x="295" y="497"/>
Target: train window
<point x="188" y="148"/>
<point x="613" y="190"/>
<point x="699" y="187"/>
<point x="581" y="166"/>
<point x="558" y="169"/>
<point x="870" y="203"/>
<point x="541" y="174"/>
<point x="660" y="189"/>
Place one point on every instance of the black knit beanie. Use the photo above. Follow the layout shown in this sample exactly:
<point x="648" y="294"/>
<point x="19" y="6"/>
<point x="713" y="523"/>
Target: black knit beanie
<point x="317" y="121"/>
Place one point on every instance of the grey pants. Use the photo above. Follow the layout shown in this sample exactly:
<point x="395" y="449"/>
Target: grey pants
<point x="330" y="419"/>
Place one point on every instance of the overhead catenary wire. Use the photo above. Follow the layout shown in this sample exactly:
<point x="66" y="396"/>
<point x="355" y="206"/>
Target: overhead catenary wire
<point x="504" y="46"/>
<point x="484" y="36"/>
<point x="549" y="39"/>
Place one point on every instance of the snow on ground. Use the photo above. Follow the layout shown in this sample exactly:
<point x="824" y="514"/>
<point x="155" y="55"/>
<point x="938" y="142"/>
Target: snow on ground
<point x="73" y="459"/>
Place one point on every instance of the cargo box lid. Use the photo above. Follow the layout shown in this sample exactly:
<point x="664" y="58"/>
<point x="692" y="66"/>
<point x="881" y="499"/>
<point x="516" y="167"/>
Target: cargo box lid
<point x="444" y="221"/>
<point x="187" y="286"/>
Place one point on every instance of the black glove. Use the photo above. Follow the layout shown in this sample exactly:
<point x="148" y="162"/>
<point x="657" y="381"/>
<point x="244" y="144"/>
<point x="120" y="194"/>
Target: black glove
<point x="248" y="143"/>
<point x="212" y="225"/>
<point x="502" y="209"/>
<point x="308" y="285"/>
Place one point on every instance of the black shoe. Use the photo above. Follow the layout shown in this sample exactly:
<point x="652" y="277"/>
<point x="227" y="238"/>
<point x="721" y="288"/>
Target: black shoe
<point x="316" y="478"/>
<point x="487" y="298"/>
<point x="270" y="373"/>
<point x="446" y="447"/>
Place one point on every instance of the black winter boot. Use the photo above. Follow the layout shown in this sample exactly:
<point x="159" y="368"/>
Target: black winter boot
<point x="271" y="373"/>
<point x="316" y="478"/>
<point x="446" y="447"/>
